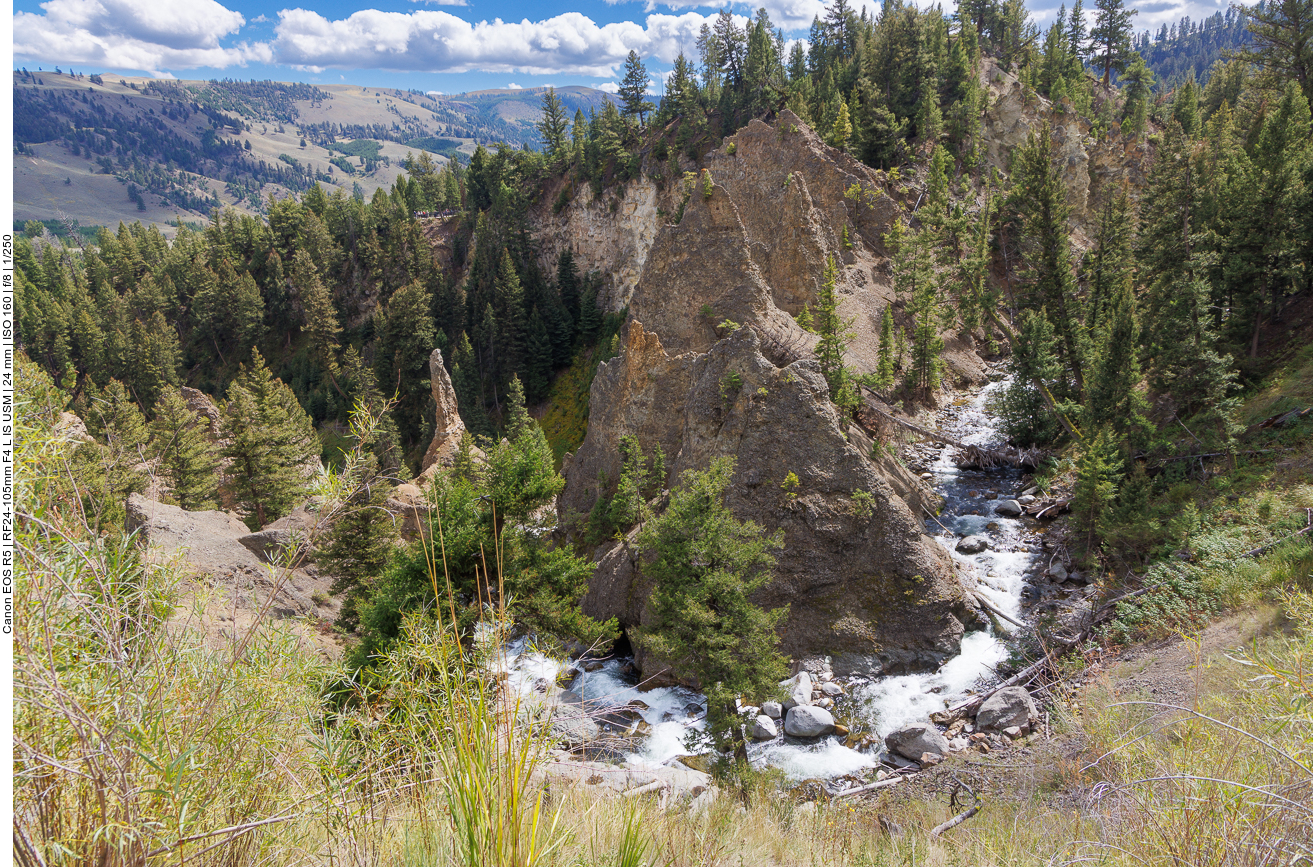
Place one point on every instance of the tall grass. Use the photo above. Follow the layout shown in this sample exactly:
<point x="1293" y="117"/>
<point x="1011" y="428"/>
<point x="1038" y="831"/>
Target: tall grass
<point x="137" y="740"/>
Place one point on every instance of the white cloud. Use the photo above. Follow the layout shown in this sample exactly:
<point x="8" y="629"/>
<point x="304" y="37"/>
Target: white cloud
<point x="513" y="86"/>
<point x="442" y="2"/>
<point x="435" y="41"/>
<point x="260" y="19"/>
<point x="134" y="34"/>
<point x="608" y="86"/>
<point x="433" y="93"/>
<point x="788" y="14"/>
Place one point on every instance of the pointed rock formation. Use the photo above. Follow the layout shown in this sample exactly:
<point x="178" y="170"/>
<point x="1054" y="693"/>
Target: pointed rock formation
<point x="447" y="424"/>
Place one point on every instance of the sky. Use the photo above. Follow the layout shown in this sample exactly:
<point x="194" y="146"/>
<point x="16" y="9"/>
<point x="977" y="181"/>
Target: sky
<point x="448" y="46"/>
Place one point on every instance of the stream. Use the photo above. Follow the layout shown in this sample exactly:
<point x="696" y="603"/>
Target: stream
<point x="877" y="706"/>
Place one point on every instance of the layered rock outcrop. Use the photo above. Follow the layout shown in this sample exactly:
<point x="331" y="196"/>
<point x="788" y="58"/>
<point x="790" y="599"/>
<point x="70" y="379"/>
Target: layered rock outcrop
<point x="611" y="233"/>
<point x="863" y="582"/>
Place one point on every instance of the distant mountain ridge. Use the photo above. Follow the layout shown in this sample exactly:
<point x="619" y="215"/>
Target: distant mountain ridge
<point x="98" y="148"/>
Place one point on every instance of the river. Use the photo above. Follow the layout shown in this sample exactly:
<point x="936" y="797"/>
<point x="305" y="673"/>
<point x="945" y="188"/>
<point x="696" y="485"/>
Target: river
<point x="879" y="706"/>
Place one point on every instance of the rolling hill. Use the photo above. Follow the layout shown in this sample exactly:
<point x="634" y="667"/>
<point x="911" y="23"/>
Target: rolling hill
<point x="99" y="149"/>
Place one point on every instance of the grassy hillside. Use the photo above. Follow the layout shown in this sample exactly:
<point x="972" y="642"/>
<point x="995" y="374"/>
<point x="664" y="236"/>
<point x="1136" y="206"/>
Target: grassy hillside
<point x="104" y="149"/>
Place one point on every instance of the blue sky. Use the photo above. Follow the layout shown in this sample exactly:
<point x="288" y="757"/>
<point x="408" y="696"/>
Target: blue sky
<point x="432" y="45"/>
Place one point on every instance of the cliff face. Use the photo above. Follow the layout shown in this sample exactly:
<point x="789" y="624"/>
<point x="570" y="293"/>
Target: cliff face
<point x="611" y="234"/>
<point x="863" y="583"/>
<point x="1089" y="167"/>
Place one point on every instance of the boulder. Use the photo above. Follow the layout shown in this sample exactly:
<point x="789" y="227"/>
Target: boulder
<point x="831" y="689"/>
<point x="208" y="544"/>
<point x="573" y="727"/>
<point x="972" y="545"/>
<point x="71" y="428"/>
<point x="1011" y="706"/>
<point x="807" y="721"/>
<point x="291" y="538"/>
<point x="1057" y="573"/>
<point x="275" y="545"/>
<point x="1009" y="509"/>
<point x="763" y="729"/>
<point x="799" y="688"/>
<point x="916" y="739"/>
<point x="408" y="505"/>
<point x="772" y="709"/>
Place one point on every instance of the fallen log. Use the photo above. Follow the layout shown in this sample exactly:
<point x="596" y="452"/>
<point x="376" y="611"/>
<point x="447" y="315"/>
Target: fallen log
<point x="653" y="786"/>
<point x="869" y="787"/>
<point x="992" y="609"/>
<point x="1061" y="506"/>
<point x="1263" y="549"/>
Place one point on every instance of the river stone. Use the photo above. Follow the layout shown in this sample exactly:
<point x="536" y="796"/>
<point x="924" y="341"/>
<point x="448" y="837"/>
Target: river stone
<point x="1058" y="573"/>
<point x="1025" y="499"/>
<point x="831" y="689"/>
<point x="915" y="739"/>
<point x="763" y="729"/>
<point x="572" y="726"/>
<point x="799" y="688"/>
<point x="1011" y="706"/>
<point x="805" y="721"/>
<point x="972" y="545"/>
<point x="1008" y="509"/>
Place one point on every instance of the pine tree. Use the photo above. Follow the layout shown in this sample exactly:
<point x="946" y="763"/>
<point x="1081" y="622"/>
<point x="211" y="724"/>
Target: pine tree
<point x="884" y="373"/>
<point x="929" y="117"/>
<point x="835" y="334"/>
<point x="633" y="89"/>
<point x="113" y="417"/>
<point x="553" y="124"/>
<point x="188" y="458"/>
<point x="358" y="546"/>
<point x="590" y="318"/>
<point x="1097" y="476"/>
<point x="914" y="271"/>
<point x="1181" y="342"/>
<point x="465" y="382"/>
<point x="1026" y="408"/>
<point x="511" y="331"/>
<point x="706" y="565"/>
<point x="567" y="284"/>
<point x="405" y="336"/>
<point x="1049" y="282"/>
<point x="1110" y="263"/>
<point x="1283" y="40"/>
<point x="842" y="130"/>
<point x="1110" y="37"/>
<point x="1262" y="257"/>
<point x="1114" y="399"/>
<point x="271" y="444"/>
<point x="362" y="387"/>
<point x="320" y="321"/>
<point x="1139" y="88"/>
<point x="538" y="360"/>
<point x="916" y="281"/>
